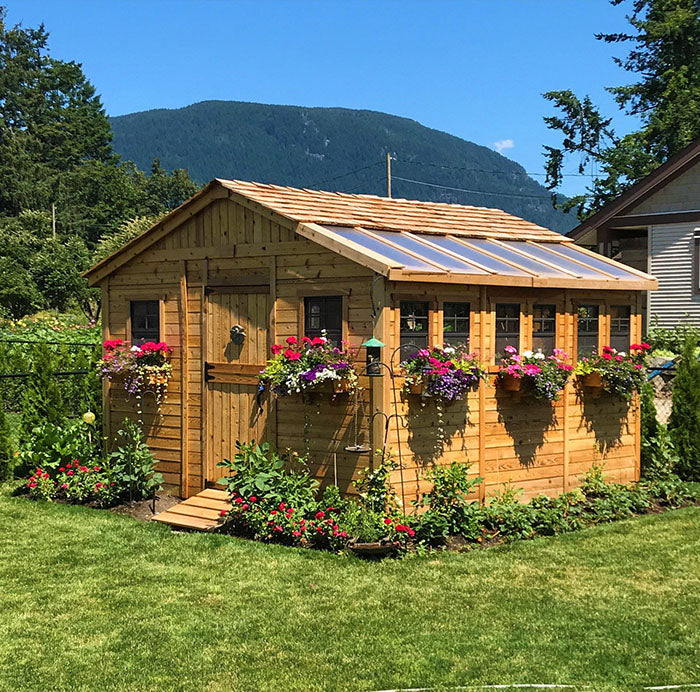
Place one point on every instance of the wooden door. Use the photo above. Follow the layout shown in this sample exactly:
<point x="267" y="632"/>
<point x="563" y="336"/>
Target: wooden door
<point x="232" y="409"/>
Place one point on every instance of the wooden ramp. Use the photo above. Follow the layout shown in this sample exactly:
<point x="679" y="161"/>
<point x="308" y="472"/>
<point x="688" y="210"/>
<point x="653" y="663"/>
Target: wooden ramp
<point x="202" y="512"/>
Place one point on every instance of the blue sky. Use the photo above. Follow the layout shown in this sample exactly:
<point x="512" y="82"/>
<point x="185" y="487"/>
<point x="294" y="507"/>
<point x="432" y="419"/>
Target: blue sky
<point x="474" y="69"/>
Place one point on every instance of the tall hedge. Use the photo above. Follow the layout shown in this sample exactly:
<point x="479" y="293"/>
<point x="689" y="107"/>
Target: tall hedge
<point x="43" y="402"/>
<point x="6" y="451"/>
<point x="684" y="423"/>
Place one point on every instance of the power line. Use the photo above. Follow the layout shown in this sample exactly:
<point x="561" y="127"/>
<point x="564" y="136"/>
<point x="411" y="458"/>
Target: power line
<point x="483" y="170"/>
<point x="344" y="175"/>
<point x="474" y="192"/>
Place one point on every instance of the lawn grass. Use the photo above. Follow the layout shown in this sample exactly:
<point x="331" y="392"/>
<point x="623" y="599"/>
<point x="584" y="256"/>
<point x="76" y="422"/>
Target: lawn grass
<point x="92" y="600"/>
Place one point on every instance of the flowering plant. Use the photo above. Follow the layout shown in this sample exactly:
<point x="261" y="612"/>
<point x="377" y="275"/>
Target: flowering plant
<point x="304" y="364"/>
<point x="144" y="368"/>
<point x="446" y="373"/>
<point x="74" y="482"/>
<point x="544" y="375"/>
<point x="622" y="374"/>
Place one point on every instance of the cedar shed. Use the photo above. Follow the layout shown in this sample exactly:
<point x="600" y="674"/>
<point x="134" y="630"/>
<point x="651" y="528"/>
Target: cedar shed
<point x="282" y="262"/>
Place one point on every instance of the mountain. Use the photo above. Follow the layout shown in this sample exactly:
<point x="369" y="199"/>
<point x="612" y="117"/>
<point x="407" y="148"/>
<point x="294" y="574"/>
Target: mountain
<point x="336" y="149"/>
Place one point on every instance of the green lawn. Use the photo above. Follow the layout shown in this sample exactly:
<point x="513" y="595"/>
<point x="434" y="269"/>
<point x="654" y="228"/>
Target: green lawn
<point x="91" y="600"/>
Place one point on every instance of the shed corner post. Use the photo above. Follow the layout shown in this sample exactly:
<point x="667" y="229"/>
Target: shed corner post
<point x="106" y="408"/>
<point x="184" y="383"/>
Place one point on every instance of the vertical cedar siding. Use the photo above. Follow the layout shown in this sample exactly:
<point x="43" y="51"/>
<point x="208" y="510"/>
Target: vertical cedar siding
<point x="494" y="432"/>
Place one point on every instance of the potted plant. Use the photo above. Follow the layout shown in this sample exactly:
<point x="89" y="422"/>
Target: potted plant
<point x="305" y="365"/>
<point x="618" y="373"/>
<point x="543" y="376"/>
<point x="447" y="373"/>
<point x="141" y="368"/>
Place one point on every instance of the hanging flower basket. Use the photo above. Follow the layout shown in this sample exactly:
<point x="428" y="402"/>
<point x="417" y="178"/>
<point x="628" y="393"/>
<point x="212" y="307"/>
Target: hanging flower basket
<point x="592" y="379"/>
<point x="306" y="366"/>
<point x="618" y="373"/>
<point x="543" y="376"/>
<point x="140" y="369"/>
<point x="446" y="374"/>
<point x="510" y="383"/>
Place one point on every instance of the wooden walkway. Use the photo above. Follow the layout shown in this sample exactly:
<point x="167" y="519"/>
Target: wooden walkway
<point x="201" y="512"/>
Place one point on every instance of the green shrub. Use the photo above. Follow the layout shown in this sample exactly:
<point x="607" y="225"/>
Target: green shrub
<point x="684" y="424"/>
<point x="43" y="402"/>
<point x="131" y="467"/>
<point x="374" y="488"/>
<point x="50" y="446"/>
<point x="672" y="340"/>
<point x="449" y="512"/>
<point x="259" y="471"/>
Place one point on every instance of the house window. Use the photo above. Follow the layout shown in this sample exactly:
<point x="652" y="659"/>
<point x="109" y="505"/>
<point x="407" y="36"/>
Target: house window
<point x="620" y="327"/>
<point x="145" y="321"/>
<point x="544" y="326"/>
<point x="414" y="323"/>
<point x="507" y="327"/>
<point x="587" y="330"/>
<point x="324" y="314"/>
<point x="455" y="323"/>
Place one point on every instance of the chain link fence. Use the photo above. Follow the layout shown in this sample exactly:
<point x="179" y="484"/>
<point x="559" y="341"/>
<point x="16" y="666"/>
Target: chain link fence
<point x="662" y="374"/>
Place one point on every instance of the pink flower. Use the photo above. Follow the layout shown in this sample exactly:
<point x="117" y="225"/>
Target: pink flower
<point x="281" y="507"/>
<point x="276" y="348"/>
<point x="61" y="469"/>
<point x="305" y="340"/>
<point x="292" y="355"/>
<point x="223" y="513"/>
<point x="296" y="532"/>
<point x="411" y="533"/>
<point x="245" y="506"/>
<point x="320" y="515"/>
<point x="423" y="353"/>
<point x="532" y="369"/>
<point x="606" y="356"/>
<point x="253" y="498"/>
<point x="292" y="340"/>
<point x="638" y="366"/>
<point x="238" y="500"/>
<point x="69" y="473"/>
<point x="64" y="485"/>
<point x="510" y="349"/>
<point x="277" y="528"/>
<point x="318" y="341"/>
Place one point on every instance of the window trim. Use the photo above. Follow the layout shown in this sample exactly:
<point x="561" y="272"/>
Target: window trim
<point x="602" y="323"/>
<point x="432" y="311"/>
<point x="555" y="319"/>
<point x="129" y="298"/>
<point x="629" y="326"/>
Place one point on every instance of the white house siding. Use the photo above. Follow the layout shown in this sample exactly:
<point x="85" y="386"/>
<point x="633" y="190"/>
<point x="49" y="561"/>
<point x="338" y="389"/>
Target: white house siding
<point x="680" y="194"/>
<point x="671" y="262"/>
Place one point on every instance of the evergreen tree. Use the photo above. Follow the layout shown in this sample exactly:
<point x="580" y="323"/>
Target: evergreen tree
<point x="664" y="59"/>
<point x="6" y="451"/>
<point x="43" y="402"/>
<point x="684" y="424"/>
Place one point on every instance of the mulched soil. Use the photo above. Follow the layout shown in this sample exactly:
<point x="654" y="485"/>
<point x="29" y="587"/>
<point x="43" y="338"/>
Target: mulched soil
<point x="143" y="509"/>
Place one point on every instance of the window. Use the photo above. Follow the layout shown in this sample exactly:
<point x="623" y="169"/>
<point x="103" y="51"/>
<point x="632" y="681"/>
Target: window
<point x="455" y="323"/>
<point x="544" y="327"/>
<point x="507" y="327"/>
<point x="145" y="321"/>
<point x="324" y="314"/>
<point x="620" y="327"/>
<point x="414" y="323"/>
<point x="587" y="330"/>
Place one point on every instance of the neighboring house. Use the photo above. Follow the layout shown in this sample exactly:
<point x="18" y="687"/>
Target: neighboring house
<point x="655" y="226"/>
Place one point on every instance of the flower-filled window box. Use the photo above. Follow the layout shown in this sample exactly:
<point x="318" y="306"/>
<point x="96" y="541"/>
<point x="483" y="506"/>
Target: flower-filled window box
<point x="542" y="376"/>
<point x="303" y="365"/>
<point x="618" y="373"/>
<point x="144" y="368"/>
<point x="446" y="374"/>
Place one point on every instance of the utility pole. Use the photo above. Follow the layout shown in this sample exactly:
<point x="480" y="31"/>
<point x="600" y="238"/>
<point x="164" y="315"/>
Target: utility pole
<point x="53" y="220"/>
<point x="388" y="175"/>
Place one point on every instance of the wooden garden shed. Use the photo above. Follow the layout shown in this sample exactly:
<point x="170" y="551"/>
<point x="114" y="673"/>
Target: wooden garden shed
<point x="282" y="262"/>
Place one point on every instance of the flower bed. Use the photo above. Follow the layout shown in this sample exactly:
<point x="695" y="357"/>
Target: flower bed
<point x="306" y="363"/>
<point x="144" y="368"/>
<point x="447" y="374"/>
<point x="619" y="374"/>
<point x="543" y="376"/>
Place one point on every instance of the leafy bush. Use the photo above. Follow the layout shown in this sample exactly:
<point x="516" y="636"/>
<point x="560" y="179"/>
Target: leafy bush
<point x="6" y="450"/>
<point x="51" y="446"/>
<point x="257" y="470"/>
<point x="131" y="467"/>
<point x="374" y="488"/>
<point x="684" y="424"/>
<point x="672" y="340"/>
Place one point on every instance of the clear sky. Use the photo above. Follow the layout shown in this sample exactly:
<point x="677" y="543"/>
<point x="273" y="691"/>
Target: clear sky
<point x="475" y="69"/>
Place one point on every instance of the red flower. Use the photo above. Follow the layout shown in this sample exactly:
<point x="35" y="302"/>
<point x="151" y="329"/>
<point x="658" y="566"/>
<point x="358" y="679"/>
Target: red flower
<point x="619" y="359"/>
<point x="411" y="533"/>
<point x="96" y="468"/>
<point x="387" y="521"/>
<point x="401" y="528"/>
<point x="253" y="498"/>
<point x="61" y="469"/>
<point x="606" y="356"/>
<point x="318" y="341"/>
<point x="69" y="473"/>
<point x="277" y="349"/>
<point x="64" y="486"/>
<point x="305" y="340"/>
<point x="292" y="340"/>
<point x="245" y="506"/>
<point x="645" y="346"/>
<point x="296" y="533"/>
<point x="320" y="515"/>
<point x="292" y="355"/>
<point x="238" y="500"/>
<point x="273" y="512"/>
<point x="607" y="349"/>
<point x="223" y="513"/>
<point x="277" y="528"/>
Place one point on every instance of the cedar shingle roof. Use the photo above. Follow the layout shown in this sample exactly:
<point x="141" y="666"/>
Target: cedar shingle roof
<point x="382" y="213"/>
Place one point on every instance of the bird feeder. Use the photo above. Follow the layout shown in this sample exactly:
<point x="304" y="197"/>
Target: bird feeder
<point x="374" y="357"/>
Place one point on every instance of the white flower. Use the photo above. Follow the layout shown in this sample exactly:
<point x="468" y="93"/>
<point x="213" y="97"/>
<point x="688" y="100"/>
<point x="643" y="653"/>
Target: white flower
<point x="527" y="354"/>
<point x="622" y="353"/>
<point x="449" y="349"/>
<point x="539" y="355"/>
<point x="135" y="349"/>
